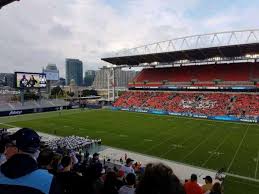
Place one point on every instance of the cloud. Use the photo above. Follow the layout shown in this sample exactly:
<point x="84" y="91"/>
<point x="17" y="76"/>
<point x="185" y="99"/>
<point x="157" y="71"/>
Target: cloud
<point x="34" y="33"/>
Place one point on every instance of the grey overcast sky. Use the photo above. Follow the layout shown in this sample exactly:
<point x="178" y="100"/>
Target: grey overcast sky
<point x="34" y="33"/>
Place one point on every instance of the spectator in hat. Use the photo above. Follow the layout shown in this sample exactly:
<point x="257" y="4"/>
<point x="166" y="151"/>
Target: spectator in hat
<point x="192" y="187"/>
<point x="20" y="172"/>
<point x="208" y="184"/>
<point x="127" y="168"/>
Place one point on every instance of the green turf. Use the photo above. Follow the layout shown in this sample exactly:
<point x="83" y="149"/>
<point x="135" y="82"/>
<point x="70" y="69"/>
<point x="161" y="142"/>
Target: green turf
<point x="204" y="143"/>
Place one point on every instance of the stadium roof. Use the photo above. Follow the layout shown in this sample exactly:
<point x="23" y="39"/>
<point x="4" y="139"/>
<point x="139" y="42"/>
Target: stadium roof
<point x="210" y="47"/>
<point x="5" y="2"/>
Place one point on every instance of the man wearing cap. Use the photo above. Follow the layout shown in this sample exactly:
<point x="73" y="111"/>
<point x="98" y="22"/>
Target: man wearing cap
<point x="20" y="172"/>
<point x="208" y="184"/>
<point x="192" y="187"/>
<point x="127" y="168"/>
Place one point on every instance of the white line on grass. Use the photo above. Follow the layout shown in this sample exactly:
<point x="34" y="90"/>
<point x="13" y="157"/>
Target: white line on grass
<point x="7" y="125"/>
<point x="257" y="159"/>
<point x="156" y="145"/>
<point x="43" y="115"/>
<point x="216" y="149"/>
<point x="187" y="155"/>
<point x="186" y="140"/>
<point x="238" y="148"/>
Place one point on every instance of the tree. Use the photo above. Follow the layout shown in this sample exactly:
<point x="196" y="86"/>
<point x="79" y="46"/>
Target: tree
<point x="89" y="93"/>
<point x="71" y="94"/>
<point x="57" y="91"/>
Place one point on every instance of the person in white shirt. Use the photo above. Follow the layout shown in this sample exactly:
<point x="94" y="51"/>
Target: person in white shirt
<point x="129" y="187"/>
<point x="128" y="167"/>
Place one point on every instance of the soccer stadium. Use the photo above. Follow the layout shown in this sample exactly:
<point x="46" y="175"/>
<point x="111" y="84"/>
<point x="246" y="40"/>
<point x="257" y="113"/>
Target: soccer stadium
<point x="195" y="106"/>
<point x="187" y="123"/>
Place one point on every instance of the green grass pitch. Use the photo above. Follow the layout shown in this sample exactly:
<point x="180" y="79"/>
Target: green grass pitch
<point x="203" y="143"/>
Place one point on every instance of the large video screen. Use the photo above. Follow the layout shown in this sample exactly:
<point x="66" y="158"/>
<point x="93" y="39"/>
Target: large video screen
<point x="30" y="80"/>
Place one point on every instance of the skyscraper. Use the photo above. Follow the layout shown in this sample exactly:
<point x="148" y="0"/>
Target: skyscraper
<point x="74" y="70"/>
<point x="89" y="77"/>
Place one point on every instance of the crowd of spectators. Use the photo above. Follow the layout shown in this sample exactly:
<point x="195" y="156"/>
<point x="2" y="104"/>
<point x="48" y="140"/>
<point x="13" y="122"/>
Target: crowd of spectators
<point x="71" y="142"/>
<point x="211" y="104"/>
<point x="29" y="169"/>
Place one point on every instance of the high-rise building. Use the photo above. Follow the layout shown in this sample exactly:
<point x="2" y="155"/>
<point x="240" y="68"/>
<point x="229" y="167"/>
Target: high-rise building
<point x="52" y="73"/>
<point x="89" y="77"/>
<point x="74" y="70"/>
<point x="122" y="78"/>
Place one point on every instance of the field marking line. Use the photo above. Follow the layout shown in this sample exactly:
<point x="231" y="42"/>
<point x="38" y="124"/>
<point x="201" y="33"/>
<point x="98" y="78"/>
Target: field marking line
<point x="7" y="125"/>
<point x="257" y="163"/>
<point x="238" y="148"/>
<point x="42" y="115"/>
<point x="244" y="183"/>
<point x="186" y="140"/>
<point x="216" y="149"/>
<point x="153" y="137"/>
<point x="193" y="150"/>
<point x="156" y="145"/>
<point x="161" y="142"/>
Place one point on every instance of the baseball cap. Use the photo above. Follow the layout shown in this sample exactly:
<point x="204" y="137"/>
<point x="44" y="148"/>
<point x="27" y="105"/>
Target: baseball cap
<point x="26" y="139"/>
<point x="208" y="178"/>
<point x="129" y="160"/>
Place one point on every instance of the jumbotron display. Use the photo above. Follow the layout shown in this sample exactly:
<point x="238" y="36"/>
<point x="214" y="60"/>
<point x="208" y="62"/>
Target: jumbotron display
<point x="30" y="80"/>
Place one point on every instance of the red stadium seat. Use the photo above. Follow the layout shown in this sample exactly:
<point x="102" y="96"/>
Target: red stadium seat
<point x="211" y="104"/>
<point x="203" y="75"/>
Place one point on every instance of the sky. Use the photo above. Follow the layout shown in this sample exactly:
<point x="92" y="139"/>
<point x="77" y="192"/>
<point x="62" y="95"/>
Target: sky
<point x="34" y="33"/>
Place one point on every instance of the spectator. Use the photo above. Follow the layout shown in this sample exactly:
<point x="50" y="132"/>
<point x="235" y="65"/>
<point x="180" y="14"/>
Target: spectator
<point x="192" y="187"/>
<point x="54" y="165"/>
<point x="66" y="181"/>
<point x="130" y="183"/>
<point x="208" y="184"/>
<point x="159" y="179"/>
<point x="128" y="167"/>
<point x="216" y="189"/>
<point x="95" y="159"/>
<point x="120" y="179"/>
<point x="93" y="178"/>
<point x="45" y="158"/>
<point x="110" y="184"/>
<point x="20" y="172"/>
